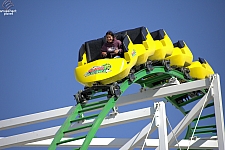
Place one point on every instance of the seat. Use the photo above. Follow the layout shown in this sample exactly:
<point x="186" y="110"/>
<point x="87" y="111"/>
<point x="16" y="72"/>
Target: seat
<point x="93" y="49"/>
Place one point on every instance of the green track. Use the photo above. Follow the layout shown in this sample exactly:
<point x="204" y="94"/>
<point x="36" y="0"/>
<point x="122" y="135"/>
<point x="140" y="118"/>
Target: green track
<point x="158" y="76"/>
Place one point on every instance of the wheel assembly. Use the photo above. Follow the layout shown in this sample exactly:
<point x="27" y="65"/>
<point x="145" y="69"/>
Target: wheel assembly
<point x="80" y="97"/>
<point x="186" y="72"/>
<point x="114" y="90"/>
<point x="148" y="65"/>
<point x="166" y="64"/>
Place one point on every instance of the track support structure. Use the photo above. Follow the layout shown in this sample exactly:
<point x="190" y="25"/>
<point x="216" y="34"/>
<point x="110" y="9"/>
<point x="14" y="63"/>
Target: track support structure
<point x="142" y="139"/>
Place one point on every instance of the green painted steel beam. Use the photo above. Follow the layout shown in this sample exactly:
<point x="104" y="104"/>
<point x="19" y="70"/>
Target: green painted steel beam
<point x="204" y="117"/>
<point x="150" y="80"/>
<point x="59" y="135"/>
<point x="178" y="74"/>
<point x="204" y="127"/>
<point x="84" y="118"/>
<point x="70" y="140"/>
<point x="97" y="123"/>
<point x="209" y="105"/>
<point x="191" y="100"/>
<point x="91" y="108"/>
<point x="94" y="103"/>
<point x="78" y="128"/>
<point x="206" y="132"/>
<point x="177" y="96"/>
<point x="110" y="104"/>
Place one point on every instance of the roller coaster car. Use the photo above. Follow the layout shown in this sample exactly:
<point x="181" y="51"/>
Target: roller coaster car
<point x="137" y="45"/>
<point x="164" y="46"/>
<point x="181" y="56"/>
<point x="200" y="69"/>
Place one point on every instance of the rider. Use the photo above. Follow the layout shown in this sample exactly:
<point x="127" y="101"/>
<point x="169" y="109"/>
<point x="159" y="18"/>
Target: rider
<point x="112" y="48"/>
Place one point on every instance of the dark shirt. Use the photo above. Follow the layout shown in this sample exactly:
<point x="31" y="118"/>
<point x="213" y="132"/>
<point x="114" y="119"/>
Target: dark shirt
<point x="111" y="47"/>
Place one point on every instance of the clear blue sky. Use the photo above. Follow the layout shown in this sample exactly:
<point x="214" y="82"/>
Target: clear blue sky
<point x="39" y="47"/>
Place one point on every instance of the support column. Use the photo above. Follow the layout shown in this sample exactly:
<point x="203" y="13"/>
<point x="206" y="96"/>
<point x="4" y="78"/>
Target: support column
<point x="218" y="112"/>
<point x="161" y="123"/>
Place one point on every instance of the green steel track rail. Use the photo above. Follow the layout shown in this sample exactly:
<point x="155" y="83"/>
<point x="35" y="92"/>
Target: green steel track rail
<point x="156" y="77"/>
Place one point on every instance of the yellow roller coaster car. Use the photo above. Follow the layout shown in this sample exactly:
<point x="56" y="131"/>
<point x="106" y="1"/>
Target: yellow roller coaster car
<point x="164" y="46"/>
<point x="181" y="56"/>
<point x="137" y="44"/>
<point x="200" y="69"/>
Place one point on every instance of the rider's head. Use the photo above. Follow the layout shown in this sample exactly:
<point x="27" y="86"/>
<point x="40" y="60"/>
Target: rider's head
<point x="109" y="36"/>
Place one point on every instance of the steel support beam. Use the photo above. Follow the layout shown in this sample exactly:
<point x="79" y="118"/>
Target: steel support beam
<point x="43" y="134"/>
<point x="182" y="125"/>
<point x="35" y="118"/>
<point x="199" y="143"/>
<point x="162" y="125"/>
<point x="216" y="91"/>
<point x="155" y="93"/>
<point x="139" y="137"/>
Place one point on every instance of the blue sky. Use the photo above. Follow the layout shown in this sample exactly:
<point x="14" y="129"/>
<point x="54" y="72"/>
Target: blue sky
<point x="39" y="47"/>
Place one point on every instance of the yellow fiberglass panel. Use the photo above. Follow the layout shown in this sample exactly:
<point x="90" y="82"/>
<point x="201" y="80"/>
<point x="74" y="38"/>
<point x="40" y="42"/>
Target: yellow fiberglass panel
<point x="149" y="44"/>
<point x="180" y="57"/>
<point x="142" y="53"/>
<point x="117" y="77"/>
<point x="83" y="61"/>
<point x="188" y="55"/>
<point x="197" y="71"/>
<point x="167" y="44"/>
<point x="99" y="70"/>
<point x="126" y="69"/>
<point x="209" y="70"/>
<point x="164" y="47"/>
<point x="177" y="59"/>
<point x="160" y="52"/>
<point x="132" y="55"/>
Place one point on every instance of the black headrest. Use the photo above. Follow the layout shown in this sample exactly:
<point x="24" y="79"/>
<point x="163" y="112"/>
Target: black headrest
<point x="121" y="35"/>
<point x="202" y="60"/>
<point x="158" y="35"/>
<point x="81" y="52"/>
<point x="179" y="44"/>
<point x="93" y="49"/>
<point x="136" y="35"/>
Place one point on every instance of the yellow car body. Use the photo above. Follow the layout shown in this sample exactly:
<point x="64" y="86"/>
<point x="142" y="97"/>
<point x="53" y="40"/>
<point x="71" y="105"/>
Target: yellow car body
<point x="181" y="56"/>
<point x="200" y="70"/>
<point x="108" y="70"/>
<point x="164" y="46"/>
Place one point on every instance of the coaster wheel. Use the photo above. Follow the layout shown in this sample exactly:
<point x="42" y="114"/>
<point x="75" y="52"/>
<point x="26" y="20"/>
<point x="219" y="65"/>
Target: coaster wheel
<point x="148" y="65"/>
<point x="114" y="90"/>
<point x="186" y="73"/>
<point x="166" y="64"/>
<point x="80" y="97"/>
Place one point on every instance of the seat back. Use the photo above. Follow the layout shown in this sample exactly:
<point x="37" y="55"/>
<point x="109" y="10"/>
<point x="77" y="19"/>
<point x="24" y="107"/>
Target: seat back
<point x="93" y="49"/>
<point x="137" y="35"/>
<point x="81" y="52"/>
<point x="158" y="35"/>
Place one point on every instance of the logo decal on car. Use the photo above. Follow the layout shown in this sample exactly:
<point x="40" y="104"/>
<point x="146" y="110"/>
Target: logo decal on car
<point x="133" y="53"/>
<point x="98" y="69"/>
